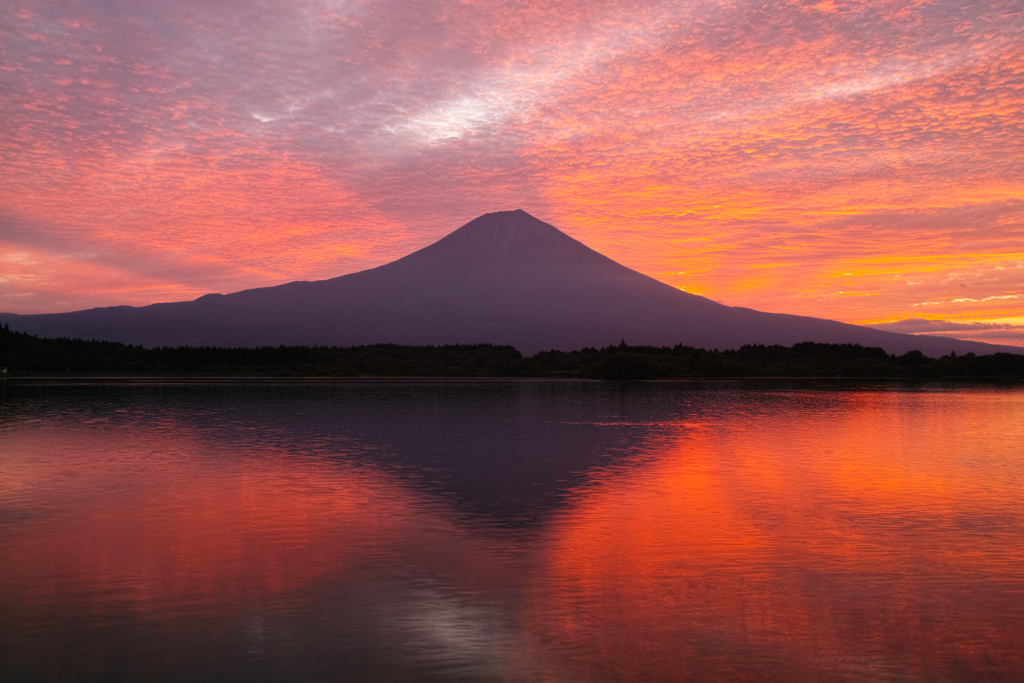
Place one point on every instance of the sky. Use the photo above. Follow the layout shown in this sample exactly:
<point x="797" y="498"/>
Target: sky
<point x="856" y="161"/>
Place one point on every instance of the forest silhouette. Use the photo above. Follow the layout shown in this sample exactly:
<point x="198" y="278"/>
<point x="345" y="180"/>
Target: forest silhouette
<point x="28" y="355"/>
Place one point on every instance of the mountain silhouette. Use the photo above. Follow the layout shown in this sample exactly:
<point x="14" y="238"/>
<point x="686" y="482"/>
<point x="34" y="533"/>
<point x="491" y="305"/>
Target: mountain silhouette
<point x="503" y="278"/>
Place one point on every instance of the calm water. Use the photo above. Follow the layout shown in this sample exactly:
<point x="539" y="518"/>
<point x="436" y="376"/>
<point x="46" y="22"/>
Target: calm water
<point x="511" y="531"/>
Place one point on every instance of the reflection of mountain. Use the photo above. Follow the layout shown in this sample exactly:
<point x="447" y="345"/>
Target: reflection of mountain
<point x="329" y="531"/>
<point x="504" y="278"/>
<point x="284" y="517"/>
<point x="224" y="562"/>
<point x="503" y="451"/>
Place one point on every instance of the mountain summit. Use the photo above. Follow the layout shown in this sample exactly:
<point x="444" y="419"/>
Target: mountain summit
<point x="504" y="278"/>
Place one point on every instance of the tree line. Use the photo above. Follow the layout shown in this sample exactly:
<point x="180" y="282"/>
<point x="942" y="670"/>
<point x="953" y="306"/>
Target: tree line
<point x="28" y="355"/>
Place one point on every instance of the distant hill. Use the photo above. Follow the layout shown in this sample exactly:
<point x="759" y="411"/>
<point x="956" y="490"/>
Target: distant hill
<point x="504" y="278"/>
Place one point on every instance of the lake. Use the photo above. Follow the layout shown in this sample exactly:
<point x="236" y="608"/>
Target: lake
<point x="511" y="531"/>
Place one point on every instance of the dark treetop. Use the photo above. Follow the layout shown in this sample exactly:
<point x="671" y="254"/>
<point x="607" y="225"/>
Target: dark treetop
<point x="25" y="354"/>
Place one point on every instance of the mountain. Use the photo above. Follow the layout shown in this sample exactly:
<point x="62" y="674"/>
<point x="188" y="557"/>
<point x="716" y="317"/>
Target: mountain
<point x="505" y="278"/>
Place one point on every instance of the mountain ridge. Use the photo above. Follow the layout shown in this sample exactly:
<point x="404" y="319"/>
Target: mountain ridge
<point x="503" y="278"/>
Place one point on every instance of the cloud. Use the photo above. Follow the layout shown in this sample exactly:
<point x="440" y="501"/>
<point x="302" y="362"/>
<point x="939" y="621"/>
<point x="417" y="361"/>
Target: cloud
<point x="993" y="332"/>
<point x="764" y="150"/>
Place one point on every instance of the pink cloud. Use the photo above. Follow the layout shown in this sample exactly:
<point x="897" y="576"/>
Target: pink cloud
<point x="993" y="333"/>
<point x="783" y="156"/>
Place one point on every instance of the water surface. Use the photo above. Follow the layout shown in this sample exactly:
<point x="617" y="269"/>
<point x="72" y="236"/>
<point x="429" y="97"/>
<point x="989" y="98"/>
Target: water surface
<point x="511" y="531"/>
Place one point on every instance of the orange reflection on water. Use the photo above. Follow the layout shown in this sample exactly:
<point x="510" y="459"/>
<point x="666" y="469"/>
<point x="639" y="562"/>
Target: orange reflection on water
<point x="201" y="528"/>
<point x="857" y="538"/>
<point x="798" y="534"/>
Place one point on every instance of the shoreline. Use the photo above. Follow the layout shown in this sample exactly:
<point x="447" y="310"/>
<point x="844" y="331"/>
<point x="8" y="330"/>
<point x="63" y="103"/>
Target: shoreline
<point x="186" y="378"/>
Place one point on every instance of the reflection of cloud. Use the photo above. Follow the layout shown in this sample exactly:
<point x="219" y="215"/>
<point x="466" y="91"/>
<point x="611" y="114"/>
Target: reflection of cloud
<point x="433" y="625"/>
<point x="726" y="540"/>
<point x="237" y="537"/>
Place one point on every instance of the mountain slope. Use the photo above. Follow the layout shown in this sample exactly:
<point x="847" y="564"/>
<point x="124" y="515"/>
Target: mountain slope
<point x="505" y="278"/>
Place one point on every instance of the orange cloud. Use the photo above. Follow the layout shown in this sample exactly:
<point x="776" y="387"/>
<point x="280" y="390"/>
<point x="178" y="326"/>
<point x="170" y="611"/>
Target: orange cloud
<point x="801" y="158"/>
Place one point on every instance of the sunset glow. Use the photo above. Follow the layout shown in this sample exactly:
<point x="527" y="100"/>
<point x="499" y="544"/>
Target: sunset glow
<point x="855" y="161"/>
<point x="781" y="533"/>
